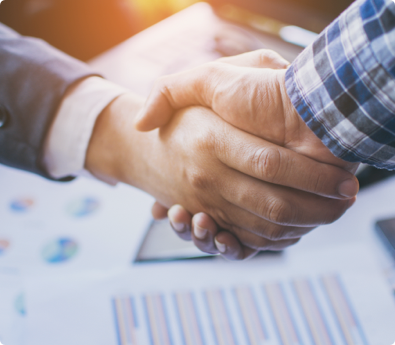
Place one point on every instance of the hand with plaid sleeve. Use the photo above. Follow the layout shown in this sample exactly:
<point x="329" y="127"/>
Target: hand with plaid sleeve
<point x="342" y="87"/>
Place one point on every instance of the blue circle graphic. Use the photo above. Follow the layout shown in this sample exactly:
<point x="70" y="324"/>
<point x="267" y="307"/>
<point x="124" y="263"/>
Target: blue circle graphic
<point x="60" y="250"/>
<point x="20" y="304"/>
<point x="21" y="205"/>
<point x="83" y="207"/>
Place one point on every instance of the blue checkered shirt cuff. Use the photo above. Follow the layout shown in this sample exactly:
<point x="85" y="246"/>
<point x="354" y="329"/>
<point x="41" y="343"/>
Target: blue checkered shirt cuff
<point x="343" y="85"/>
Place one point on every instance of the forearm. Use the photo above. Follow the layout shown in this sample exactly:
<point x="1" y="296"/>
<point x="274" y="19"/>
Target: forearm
<point x="116" y="150"/>
<point x="69" y="135"/>
<point x="34" y="77"/>
<point x="343" y="86"/>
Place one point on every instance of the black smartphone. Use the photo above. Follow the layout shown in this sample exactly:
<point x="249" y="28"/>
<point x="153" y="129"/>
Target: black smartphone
<point x="386" y="230"/>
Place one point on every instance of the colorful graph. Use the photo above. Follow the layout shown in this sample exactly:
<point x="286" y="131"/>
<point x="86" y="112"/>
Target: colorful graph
<point x="302" y="311"/>
<point x="21" y="205"/>
<point x="314" y="317"/>
<point x="4" y="245"/>
<point x="351" y="330"/>
<point x="60" y="250"/>
<point x="126" y="320"/>
<point x="251" y="317"/>
<point x="157" y="319"/>
<point x="282" y="314"/>
<point x="83" y="207"/>
<point x="188" y="318"/>
<point x="219" y="316"/>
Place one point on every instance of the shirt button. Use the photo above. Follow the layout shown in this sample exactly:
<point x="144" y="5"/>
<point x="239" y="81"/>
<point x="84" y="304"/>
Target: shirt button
<point x="3" y="117"/>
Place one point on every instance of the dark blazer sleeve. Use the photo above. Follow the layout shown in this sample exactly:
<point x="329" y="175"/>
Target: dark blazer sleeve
<point x="33" y="78"/>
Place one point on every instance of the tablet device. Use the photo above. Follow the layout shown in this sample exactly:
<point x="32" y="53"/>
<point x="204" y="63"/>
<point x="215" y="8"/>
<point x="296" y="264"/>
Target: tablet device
<point x="386" y="230"/>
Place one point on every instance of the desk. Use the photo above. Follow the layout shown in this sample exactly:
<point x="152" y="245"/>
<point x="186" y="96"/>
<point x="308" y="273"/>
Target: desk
<point x="128" y="66"/>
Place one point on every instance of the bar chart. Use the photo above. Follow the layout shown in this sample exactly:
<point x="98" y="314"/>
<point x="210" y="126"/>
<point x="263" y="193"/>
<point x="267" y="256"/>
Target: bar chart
<point x="311" y="311"/>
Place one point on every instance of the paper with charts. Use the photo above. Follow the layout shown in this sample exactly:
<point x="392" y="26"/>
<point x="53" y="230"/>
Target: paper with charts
<point x="320" y="299"/>
<point x="50" y="227"/>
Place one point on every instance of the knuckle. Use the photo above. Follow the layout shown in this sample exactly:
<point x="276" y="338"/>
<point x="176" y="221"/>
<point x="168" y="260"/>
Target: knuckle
<point x="161" y="84"/>
<point x="278" y="233"/>
<point x="268" y="55"/>
<point x="200" y="180"/>
<point x="266" y="162"/>
<point x="161" y="88"/>
<point x="278" y="211"/>
<point x="224" y="220"/>
<point x="318" y="182"/>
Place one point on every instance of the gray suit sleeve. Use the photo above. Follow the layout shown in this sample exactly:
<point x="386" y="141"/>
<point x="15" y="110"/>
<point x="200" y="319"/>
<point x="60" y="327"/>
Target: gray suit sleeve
<point x="33" y="78"/>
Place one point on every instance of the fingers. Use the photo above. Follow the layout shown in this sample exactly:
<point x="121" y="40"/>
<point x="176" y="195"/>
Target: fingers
<point x="172" y="93"/>
<point x="180" y="221"/>
<point x="255" y="201"/>
<point x="159" y="211"/>
<point x="258" y="243"/>
<point x="196" y="87"/>
<point x="274" y="164"/>
<point x="206" y="234"/>
<point x="239" y="245"/>
<point x="231" y="249"/>
<point x="210" y="239"/>
<point x="263" y="58"/>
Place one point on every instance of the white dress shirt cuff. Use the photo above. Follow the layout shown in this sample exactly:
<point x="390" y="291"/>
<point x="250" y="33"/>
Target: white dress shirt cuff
<point x="68" y="138"/>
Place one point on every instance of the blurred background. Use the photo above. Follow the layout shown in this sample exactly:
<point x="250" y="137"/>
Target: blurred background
<point x="86" y="28"/>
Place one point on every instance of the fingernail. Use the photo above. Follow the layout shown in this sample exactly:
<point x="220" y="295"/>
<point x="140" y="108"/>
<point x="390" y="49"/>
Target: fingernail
<point x="348" y="188"/>
<point x="199" y="232"/>
<point x="179" y="227"/>
<point x="220" y="246"/>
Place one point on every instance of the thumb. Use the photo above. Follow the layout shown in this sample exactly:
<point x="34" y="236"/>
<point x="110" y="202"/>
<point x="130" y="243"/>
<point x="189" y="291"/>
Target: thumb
<point x="159" y="211"/>
<point x="172" y="93"/>
<point x="262" y="58"/>
<point x="196" y="87"/>
<point x="156" y="112"/>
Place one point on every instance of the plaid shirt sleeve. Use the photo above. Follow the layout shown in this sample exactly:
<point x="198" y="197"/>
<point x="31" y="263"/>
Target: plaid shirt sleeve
<point x="343" y="85"/>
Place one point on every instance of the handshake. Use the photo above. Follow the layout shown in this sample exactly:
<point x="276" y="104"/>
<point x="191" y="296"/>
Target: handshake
<point x="230" y="151"/>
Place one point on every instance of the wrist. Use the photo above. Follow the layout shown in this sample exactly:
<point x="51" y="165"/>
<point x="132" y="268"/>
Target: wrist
<point x="300" y="138"/>
<point x="111" y="146"/>
<point x="293" y="123"/>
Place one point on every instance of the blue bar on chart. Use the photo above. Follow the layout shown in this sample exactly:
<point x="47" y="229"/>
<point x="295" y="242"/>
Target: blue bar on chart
<point x="296" y="312"/>
<point x="188" y="318"/>
<point x="314" y="317"/>
<point x="157" y="319"/>
<point x="126" y="320"/>
<point x="251" y="318"/>
<point x="282" y="315"/>
<point x="220" y="317"/>
<point x="346" y="319"/>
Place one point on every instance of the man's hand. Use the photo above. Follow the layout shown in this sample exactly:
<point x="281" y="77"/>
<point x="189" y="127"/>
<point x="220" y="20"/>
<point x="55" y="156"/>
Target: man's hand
<point x="266" y="195"/>
<point x="248" y="91"/>
<point x="244" y="92"/>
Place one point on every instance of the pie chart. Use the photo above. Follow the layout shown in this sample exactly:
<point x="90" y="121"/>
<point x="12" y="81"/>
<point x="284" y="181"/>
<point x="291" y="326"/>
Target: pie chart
<point x="4" y="244"/>
<point x="83" y="207"/>
<point x="60" y="250"/>
<point x="20" y="305"/>
<point x="22" y="205"/>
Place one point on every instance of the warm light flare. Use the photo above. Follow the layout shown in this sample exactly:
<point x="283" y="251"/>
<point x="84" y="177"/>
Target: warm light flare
<point x="156" y="10"/>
